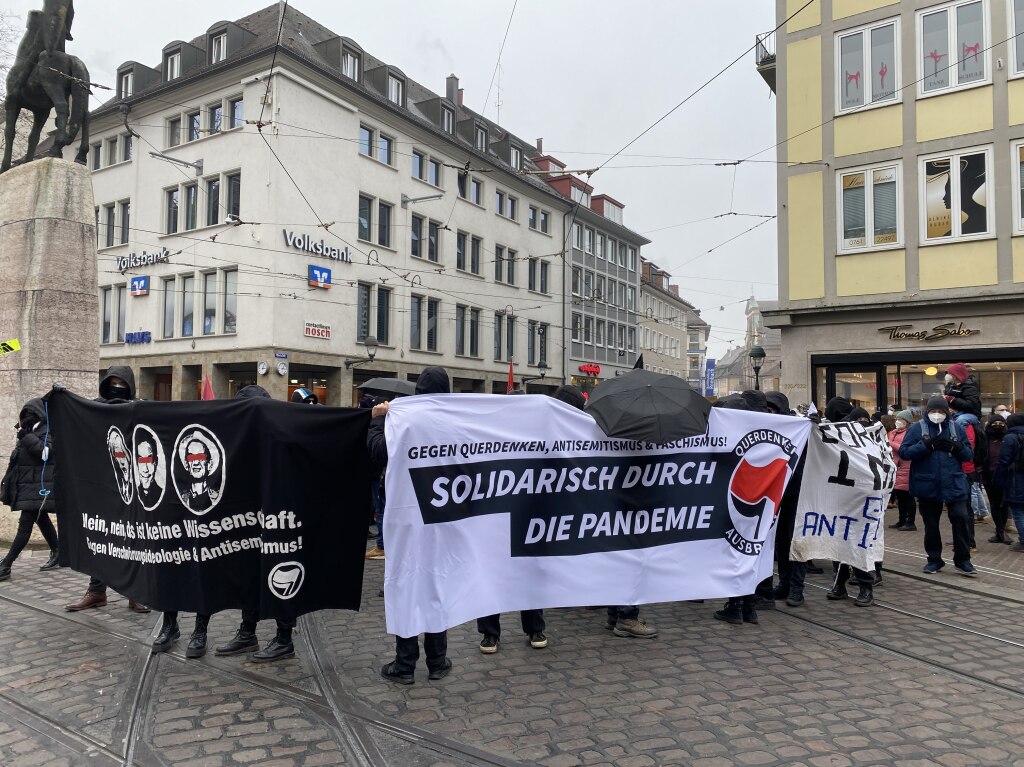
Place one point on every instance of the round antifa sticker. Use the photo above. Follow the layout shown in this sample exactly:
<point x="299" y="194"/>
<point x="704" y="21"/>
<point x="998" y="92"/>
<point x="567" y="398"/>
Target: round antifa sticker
<point x="150" y="467"/>
<point x="285" y="579"/>
<point x="122" y="463"/>
<point x="199" y="468"/>
<point x="767" y="458"/>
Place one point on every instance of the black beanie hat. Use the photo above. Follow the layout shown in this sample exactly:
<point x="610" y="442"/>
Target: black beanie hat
<point x="837" y="408"/>
<point x="937" y="402"/>
<point x="1015" y="420"/>
<point x="570" y="395"/>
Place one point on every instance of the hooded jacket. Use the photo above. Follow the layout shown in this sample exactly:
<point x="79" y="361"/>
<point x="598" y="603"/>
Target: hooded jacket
<point x="995" y="430"/>
<point x="779" y="401"/>
<point x="1008" y="473"/>
<point x="755" y="400"/>
<point x="896" y="438"/>
<point x="252" y="391"/>
<point x="936" y="473"/>
<point x="570" y="395"/>
<point x="857" y="414"/>
<point x="25" y="481"/>
<point x="119" y="371"/>
<point x="966" y="396"/>
<point x="836" y="409"/>
<point x="971" y="426"/>
<point x="433" y="380"/>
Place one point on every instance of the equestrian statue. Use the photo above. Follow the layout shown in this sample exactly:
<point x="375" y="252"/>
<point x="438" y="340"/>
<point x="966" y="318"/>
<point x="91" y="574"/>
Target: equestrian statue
<point x="45" y="77"/>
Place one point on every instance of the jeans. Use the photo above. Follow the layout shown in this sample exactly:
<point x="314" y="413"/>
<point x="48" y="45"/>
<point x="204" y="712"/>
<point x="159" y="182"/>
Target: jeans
<point x="25" y="522"/>
<point x="532" y="621"/>
<point x="1017" y="510"/>
<point x="907" y="506"/>
<point x="407" y="651"/>
<point x="931" y="513"/>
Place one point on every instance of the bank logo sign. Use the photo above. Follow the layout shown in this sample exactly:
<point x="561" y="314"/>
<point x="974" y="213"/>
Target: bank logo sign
<point x="306" y="244"/>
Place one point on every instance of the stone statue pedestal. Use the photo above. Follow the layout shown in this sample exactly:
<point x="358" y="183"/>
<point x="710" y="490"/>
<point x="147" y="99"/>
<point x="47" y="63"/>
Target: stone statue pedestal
<point x="48" y="293"/>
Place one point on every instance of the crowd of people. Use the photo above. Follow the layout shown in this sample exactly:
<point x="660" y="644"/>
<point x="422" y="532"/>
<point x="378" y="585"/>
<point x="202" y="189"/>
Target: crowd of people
<point x="947" y="456"/>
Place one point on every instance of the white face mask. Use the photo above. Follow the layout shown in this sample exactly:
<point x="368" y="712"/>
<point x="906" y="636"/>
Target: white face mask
<point x="936" y="418"/>
<point x="901" y="424"/>
<point x="949" y="379"/>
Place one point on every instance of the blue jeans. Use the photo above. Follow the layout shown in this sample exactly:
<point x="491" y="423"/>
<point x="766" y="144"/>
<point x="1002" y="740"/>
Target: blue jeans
<point x="1017" y="510"/>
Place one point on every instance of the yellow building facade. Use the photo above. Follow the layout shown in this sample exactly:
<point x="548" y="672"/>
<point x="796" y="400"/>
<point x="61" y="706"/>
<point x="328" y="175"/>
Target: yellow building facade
<point x="901" y="211"/>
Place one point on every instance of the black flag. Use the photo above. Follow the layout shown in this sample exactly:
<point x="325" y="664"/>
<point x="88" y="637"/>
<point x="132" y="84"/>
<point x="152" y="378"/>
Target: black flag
<point x="639" y="363"/>
<point x="208" y="506"/>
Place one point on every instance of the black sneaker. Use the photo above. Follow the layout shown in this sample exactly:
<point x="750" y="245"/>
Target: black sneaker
<point x="440" y="673"/>
<point x="390" y="671"/>
<point x="795" y="599"/>
<point x="489" y="645"/>
<point x="763" y="603"/>
<point x="538" y="641"/>
<point x="837" y="594"/>
<point x="897" y="526"/>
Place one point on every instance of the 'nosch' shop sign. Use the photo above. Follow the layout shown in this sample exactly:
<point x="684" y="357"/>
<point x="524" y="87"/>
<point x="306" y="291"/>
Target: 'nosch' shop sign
<point x="306" y="244"/>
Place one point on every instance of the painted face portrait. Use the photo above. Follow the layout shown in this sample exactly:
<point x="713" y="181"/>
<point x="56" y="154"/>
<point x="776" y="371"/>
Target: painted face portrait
<point x="121" y="462"/>
<point x="149" y="466"/>
<point x="199" y="469"/>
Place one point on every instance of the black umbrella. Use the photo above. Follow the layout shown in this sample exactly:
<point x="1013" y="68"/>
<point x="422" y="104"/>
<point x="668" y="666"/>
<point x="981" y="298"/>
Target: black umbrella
<point x="649" y="406"/>
<point x="396" y="386"/>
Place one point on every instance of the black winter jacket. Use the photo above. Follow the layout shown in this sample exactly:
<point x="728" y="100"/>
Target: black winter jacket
<point x="28" y="476"/>
<point x="121" y="371"/>
<point x="966" y="396"/>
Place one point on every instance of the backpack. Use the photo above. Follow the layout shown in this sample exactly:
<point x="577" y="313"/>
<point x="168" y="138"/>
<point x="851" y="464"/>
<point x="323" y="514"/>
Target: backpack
<point x="980" y="448"/>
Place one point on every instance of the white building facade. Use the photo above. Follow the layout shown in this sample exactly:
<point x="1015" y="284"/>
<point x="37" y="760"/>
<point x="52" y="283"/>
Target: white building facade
<point x="298" y="214"/>
<point x="673" y="337"/>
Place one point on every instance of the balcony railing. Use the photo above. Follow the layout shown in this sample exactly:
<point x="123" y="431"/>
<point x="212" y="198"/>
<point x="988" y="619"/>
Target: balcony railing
<point x="764" y="57"/>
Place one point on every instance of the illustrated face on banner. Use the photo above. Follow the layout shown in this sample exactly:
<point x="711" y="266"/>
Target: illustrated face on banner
<point x="121" y="462"/>
<point x="756" y="488"/>
<point x="150" y="467"/>
<point x="199" y="471"/>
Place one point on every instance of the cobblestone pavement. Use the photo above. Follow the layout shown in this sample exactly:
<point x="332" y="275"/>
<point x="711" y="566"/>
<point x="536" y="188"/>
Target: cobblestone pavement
<point x="928" y="676"/>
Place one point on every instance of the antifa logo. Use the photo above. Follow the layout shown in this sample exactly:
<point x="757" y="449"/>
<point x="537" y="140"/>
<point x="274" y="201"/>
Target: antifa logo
<point x="756" y="488"/>
<point x="285" y="579"/>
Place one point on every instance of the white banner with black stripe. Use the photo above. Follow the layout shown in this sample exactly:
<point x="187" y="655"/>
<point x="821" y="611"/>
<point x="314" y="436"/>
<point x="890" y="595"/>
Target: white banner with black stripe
<point x="502" y="503"/>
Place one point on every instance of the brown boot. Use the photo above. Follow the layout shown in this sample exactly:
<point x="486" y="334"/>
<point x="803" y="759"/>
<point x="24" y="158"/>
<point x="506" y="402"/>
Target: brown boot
<point x="91" y="599"/>
<point x="137" y="607"/>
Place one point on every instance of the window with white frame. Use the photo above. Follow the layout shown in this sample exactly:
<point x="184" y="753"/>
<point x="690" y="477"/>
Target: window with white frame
<point x="214" y="118"/>
<point x="577" y="280"/>
<point x="236" y="112"/>
<point x="1017" y="30"/>
<point x="194" y="125"/>
<point x="481" y="138"/>
<point x="545" y="219"/>
<point x="868" y="66"/>
<point x="125" y="84"/>
<point x="952" y="46"/>
<point x="588" y="240"/>
<point x="350" y="65"/>
<point x="957" y="195"/>
<point x="396" y="90"/>
<point x="174" y="131"/>
<point x="516" y="158"/>
<point x="218" y="47"/>
<point x="447" y="120"/>
<point x="577" y="236"/>
<point x="531" y="217"/>
<point x="1017" y="158"/>
<point x="172" y="66"/>
<point x="869" y="208"/>
<point x="544" y="270"/>
<point x="476" y="191"/>
<point x="577" y="326"/>
<point x="373" y="303"/>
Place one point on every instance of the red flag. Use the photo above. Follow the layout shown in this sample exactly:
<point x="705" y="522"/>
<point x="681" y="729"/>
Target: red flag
<point x="511" y="378"/>
<point x="207" y="389"/>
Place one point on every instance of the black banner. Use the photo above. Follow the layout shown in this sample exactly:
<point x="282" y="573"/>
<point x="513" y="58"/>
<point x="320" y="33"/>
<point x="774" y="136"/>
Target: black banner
<point x="207" y="506"/>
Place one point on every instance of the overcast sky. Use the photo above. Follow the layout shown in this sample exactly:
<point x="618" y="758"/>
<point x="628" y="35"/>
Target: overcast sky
<point x="587" y="76"/>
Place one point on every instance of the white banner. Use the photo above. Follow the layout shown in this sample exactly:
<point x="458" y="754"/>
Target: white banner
<point x="846" y="486"/>
<point x="497" y="504"/>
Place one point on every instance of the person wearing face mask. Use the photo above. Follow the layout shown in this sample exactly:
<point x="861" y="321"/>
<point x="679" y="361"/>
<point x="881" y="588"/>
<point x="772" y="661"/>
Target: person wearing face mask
<point x="117" y="387"/>
<point x="962" y="390"/>
<point x="936" y="447"/>
<point x="1002" y="411"/>
<point x="906" y="503"/>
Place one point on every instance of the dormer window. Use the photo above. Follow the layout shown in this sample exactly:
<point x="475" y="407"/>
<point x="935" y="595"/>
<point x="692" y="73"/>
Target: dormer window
<point x="218" y="47"/>
<point x="350" y="65"/>
<point x="516" y="158"/>
<point x="396" y="90"/>
<point x="172" y="66"/>
<point x="125" y="84"/>
<point x="481" y="138"/>
<point x="447" y="120"/>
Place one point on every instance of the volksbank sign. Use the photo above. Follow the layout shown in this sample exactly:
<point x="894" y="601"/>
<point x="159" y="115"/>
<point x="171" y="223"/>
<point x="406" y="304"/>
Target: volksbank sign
<point x="124" y="263"/>
<point x="305" y="243"/>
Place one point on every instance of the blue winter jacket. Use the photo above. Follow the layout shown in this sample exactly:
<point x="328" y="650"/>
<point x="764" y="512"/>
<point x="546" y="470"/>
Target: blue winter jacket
<point x="937" y="475"/>
<point x="1006" y="475"/>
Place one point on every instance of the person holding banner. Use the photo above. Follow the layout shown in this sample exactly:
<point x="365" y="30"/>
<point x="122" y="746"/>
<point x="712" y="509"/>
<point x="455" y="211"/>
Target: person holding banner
<point x="937" y="446"/>
<point x="402" y="670"/>
<point x="117" y="386"/>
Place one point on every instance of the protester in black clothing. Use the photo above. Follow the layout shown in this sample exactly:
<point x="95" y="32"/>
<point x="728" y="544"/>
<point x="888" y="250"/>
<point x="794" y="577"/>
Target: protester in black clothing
<point x="433" y="380"/>
<point x="245" y="640"/>
<point x="995" y="430"/>
<point x="116" y="387"/>
<point x="28" y="485"/>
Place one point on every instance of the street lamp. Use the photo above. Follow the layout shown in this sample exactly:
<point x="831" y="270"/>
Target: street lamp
<point x="543" y="368"/>
<point x="371" y="344"/>
<point x="757" y="355"/>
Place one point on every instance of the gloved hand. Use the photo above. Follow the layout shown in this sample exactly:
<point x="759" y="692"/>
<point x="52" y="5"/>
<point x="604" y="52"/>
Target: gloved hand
<point x="943" y="445"/>
<point x="928" y="442"/>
